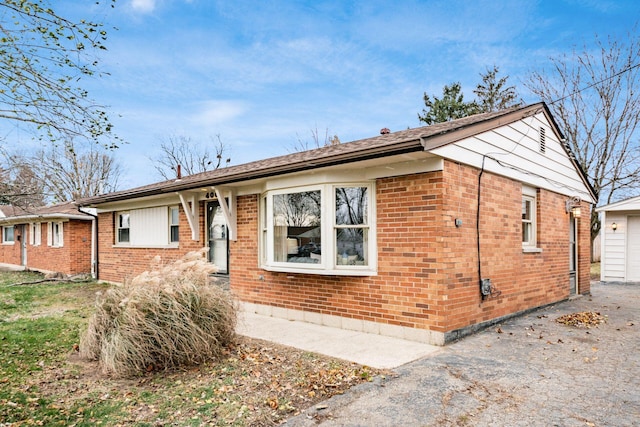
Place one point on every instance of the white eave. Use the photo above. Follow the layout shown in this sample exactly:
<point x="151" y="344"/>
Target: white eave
<point x="631" y="204"/>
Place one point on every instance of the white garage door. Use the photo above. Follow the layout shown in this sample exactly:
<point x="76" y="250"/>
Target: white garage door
<point x="633" y="249"/>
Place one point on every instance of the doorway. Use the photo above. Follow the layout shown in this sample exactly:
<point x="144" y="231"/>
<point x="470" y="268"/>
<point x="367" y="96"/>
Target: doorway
<point x="573" y="255"/>
<point x="218" y="236"/>
<point x="22" y="237"/>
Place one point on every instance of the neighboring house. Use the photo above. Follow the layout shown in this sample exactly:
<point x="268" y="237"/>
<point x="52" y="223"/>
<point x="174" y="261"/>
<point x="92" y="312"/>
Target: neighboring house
<point x="426" y="234"/>
<point x="54" y="238"/>
<point x="620" y="241"/>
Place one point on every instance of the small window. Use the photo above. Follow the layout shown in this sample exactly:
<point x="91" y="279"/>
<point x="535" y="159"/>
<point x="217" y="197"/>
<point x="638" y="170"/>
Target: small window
<point x="8" y="235"/>
<point x="55" y="234"/>
<point x="35" y="235"/>
<point x="122" y="227"/>
<point x="174" y="231"/>
<point x="529" y="218"/>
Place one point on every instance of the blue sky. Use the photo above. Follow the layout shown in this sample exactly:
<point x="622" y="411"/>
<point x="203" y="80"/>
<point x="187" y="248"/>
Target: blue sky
<point x="262" y="74"/>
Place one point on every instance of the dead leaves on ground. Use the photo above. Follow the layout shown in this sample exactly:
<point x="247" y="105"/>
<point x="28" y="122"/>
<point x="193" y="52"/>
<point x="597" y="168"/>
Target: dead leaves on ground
<point x="584" y="319"/>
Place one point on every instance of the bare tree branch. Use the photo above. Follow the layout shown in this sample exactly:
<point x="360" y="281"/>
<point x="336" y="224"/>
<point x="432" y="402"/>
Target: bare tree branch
<point x="594" y="95"/>
<point x="192" y="156"/>
<point x="43" y="56"/>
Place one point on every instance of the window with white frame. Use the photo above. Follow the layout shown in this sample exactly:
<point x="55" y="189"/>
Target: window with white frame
<point x="122" y="227"/>
<point x="529" y="220"/>
<point x="147" y="227"/>
<point x="35" y="234"/>
<point x="323" y="229"/>
<point x="8" y="236"/>
<point x="55" y="232"/>
<point x="174" y="231"/>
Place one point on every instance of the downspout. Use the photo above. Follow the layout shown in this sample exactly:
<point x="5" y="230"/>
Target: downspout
<point x="94" y="243"/>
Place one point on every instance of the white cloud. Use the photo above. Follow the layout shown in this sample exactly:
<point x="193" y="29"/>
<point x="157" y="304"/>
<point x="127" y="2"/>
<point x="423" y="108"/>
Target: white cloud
<point x="215" y="112"/>
<point x="143" y="6"/>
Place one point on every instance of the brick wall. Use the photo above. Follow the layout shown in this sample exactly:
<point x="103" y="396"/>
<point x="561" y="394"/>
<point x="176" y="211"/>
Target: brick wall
<point x="120" y="263"/>
<point x="74" y="257"/>
<point x="427" y="267"/>
<point x="10" y="253"/>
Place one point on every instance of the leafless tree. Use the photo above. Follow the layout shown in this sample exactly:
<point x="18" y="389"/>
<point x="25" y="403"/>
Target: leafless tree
<point x="191" y="156"/>
<point x="593" y="93"/>
<point x="317" y="141"/>
<point x="70" y="171"/>
<point x="20" y="187"/>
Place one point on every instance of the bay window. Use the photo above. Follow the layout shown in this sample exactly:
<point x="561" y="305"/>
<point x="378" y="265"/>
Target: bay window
<point x="322" y="229"/>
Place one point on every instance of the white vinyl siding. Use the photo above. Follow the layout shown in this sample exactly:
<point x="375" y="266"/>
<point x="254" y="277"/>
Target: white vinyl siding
<point x="614" y="244"/>
<point x="513" y="151"/>
<point x="148" y="227"/>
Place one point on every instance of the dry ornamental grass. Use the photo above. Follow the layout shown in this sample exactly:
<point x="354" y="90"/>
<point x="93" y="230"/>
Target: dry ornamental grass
<point x="164" y="318"/>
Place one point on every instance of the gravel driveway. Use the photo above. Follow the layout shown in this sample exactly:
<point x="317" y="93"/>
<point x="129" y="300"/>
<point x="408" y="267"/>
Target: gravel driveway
<point x="528" y="371"/>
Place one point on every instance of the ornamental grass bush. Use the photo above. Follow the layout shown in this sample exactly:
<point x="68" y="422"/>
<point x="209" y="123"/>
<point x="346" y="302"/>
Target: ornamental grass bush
<point x="168" y="316"/>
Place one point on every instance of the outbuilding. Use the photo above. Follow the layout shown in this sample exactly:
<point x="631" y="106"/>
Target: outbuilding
<point x="426" y="234"/>
<point x="620" y="241"/>
<point x="50" y="239"/>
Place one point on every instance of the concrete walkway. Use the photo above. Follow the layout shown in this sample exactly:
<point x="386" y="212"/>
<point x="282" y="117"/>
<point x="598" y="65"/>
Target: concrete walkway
<point x="372" y="350"/>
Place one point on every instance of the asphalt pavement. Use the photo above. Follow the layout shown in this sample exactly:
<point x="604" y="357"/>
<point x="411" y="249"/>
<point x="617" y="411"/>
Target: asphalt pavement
<point x="528" y="371"/>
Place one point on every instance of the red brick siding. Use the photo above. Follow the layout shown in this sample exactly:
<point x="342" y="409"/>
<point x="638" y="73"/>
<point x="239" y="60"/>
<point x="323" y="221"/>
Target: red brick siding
<point x="427" y="268"/>
<point x="120" y="263"/>
<point x="74" y="257"/>
<point x="10" y="253"/>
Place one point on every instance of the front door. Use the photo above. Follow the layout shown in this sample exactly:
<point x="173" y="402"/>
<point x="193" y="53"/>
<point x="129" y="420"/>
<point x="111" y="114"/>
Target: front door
<point x="573" y="255"/>
<point x="23" y="245"/>
<point x="218" y="236"/>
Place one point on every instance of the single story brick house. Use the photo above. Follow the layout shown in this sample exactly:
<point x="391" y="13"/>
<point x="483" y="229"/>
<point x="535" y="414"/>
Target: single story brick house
<point x="426" y="234"/>
<point x="620" y="241"/>
<point x="56" y="238"/>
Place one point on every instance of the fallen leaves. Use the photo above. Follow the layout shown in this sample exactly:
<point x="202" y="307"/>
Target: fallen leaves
<point x="586" y="319"/>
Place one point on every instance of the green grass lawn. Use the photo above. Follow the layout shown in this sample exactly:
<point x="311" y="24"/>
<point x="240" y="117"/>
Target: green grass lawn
<point x="44" y="382"/>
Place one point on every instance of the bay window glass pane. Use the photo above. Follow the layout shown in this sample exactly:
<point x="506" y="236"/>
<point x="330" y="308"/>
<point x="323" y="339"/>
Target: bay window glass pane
<point x="352" y="205"/>
<point x="297" y="233"/>
<point x="351" y="246"/>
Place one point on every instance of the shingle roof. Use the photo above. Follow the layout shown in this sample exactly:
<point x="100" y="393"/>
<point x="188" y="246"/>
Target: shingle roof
<point x="61" y="210"/>
<point x="404" y="141"/>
